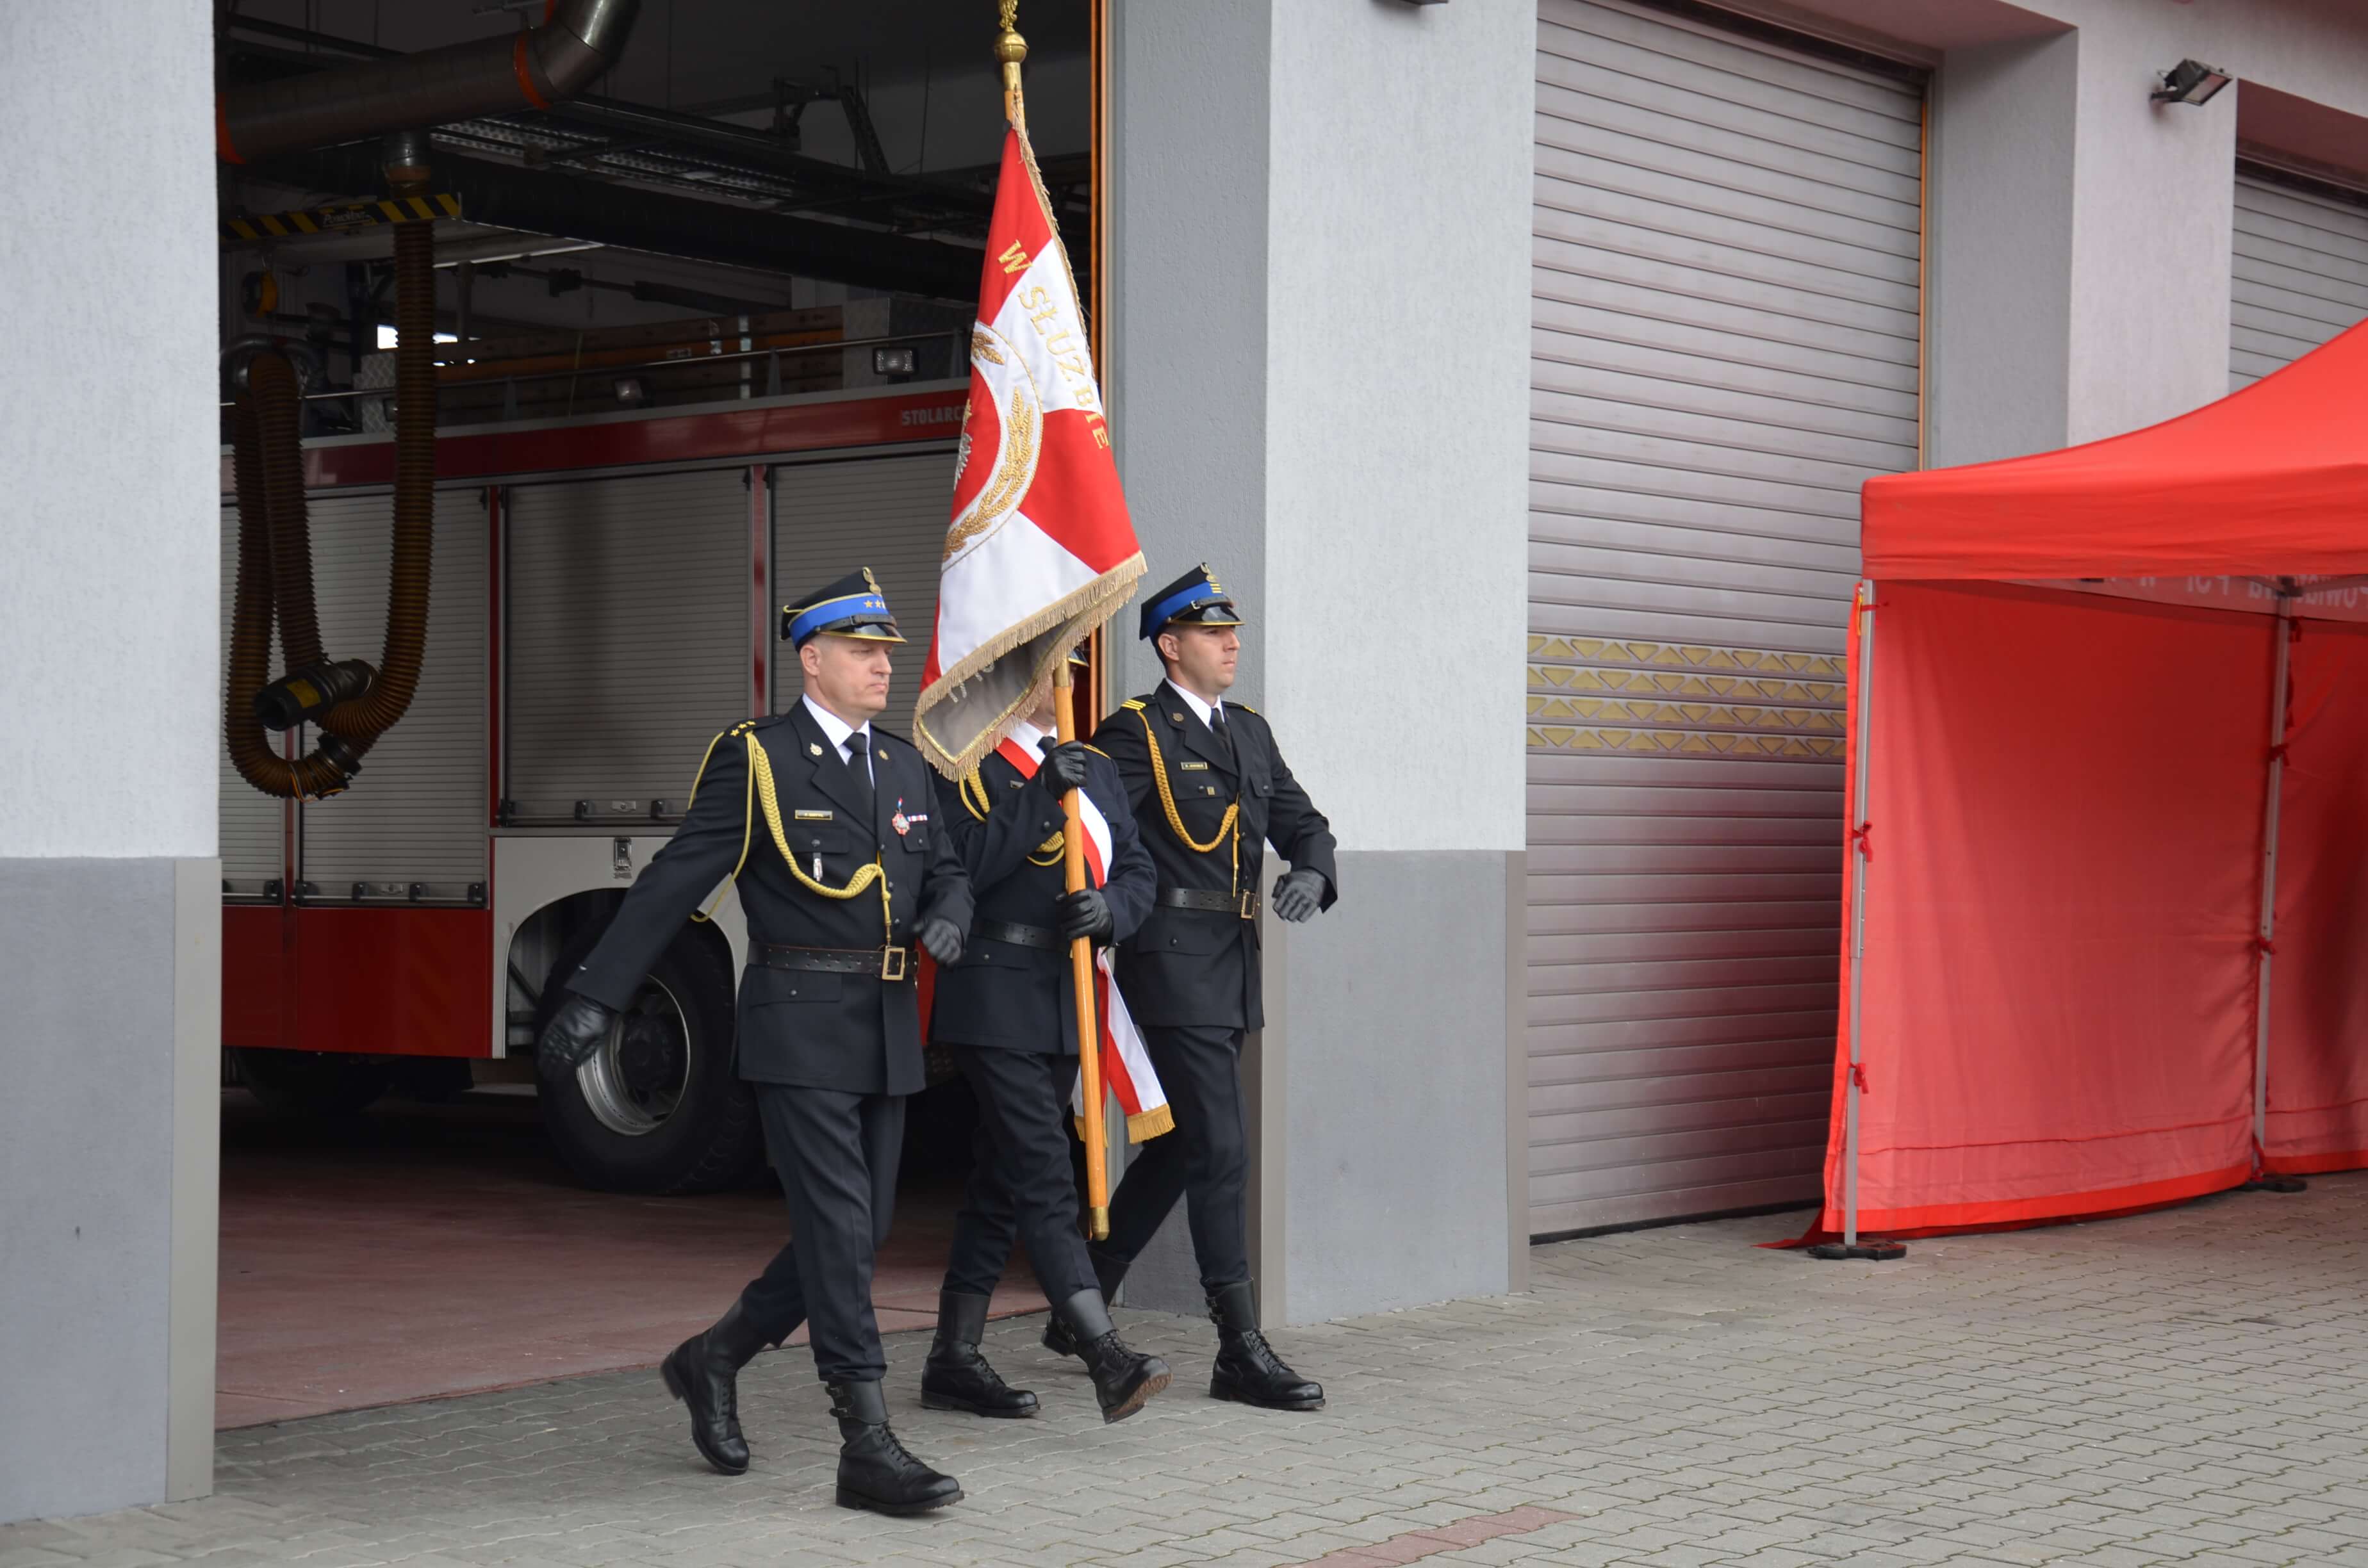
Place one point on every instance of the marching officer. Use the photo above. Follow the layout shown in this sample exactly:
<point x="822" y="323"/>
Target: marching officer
<point x="1210" y="789"/>
<point x="825" y="823"/>
<point x="1010" y="1007"/>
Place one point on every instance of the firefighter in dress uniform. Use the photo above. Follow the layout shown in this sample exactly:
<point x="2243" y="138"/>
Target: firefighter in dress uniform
<point x="1210" y="787"/>
<point x="826" y="824"/>
<point x="1010" y="1006"/>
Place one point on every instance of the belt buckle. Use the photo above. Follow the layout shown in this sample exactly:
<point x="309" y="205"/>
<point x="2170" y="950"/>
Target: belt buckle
<point x="1248" y="908"/>
<point x="892" y="963"/>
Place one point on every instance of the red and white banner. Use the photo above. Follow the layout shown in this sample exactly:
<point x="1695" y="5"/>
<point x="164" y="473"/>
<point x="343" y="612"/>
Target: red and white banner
<point x="1041" y="550"/>
<point x="1126" y="1067"/>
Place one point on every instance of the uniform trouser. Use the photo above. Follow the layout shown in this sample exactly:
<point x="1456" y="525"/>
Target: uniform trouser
<point x="1020" y="1182"/>
<point x="1205" y="1160"/>
<point x="836" y="1153"/>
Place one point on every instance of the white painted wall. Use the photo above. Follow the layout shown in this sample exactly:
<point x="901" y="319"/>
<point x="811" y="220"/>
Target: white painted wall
<point x="1320" y="385"/>
<point x="2154" y="188"/>
<point x="107" y="435"/>
<point x="1397" y="397"/>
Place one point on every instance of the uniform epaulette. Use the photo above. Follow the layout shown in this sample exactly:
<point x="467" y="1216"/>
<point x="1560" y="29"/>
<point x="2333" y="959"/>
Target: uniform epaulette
<point x="1134" y="702"/>
<point x="1100" y="753"/>
<point x="1244" y="708"/>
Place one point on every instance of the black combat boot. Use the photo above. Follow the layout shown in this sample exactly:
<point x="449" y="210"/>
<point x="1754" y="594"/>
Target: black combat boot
<point x="874" y="1470"/>
<point x="1247" y="1370"/>
<point x="1124" y="1380"/>
<point x="1107" y="1272"/>
<point x="703" y="1374"/>
<point x="956" y="1377"/>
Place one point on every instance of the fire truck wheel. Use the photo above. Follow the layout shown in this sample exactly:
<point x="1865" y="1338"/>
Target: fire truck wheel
<point x="657" y="1108"/>
<point x="314" y="1083"/>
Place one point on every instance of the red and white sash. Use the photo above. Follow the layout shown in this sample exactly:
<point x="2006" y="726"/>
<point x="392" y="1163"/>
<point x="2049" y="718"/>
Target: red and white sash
<point x="1126" y="1067"/>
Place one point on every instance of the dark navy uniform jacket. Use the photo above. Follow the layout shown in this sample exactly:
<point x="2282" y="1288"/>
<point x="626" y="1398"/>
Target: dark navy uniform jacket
<point x="1207" y="813"/>
<point x="857" y="1033"/>
<point x="1004" y="993"/>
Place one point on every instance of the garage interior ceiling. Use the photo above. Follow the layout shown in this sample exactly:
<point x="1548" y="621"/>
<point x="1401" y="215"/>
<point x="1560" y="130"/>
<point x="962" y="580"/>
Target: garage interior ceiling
<point x="814" y="123"/>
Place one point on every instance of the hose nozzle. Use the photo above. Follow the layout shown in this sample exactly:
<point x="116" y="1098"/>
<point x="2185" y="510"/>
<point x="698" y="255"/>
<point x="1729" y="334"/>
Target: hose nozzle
<point x="303" y="695"/>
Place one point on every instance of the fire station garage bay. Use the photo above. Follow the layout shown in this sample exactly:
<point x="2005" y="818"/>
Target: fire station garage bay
<point x="1515" y="366"/>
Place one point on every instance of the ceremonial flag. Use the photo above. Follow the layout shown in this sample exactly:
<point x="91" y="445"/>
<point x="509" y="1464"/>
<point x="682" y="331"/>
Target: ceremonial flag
<point x="1041" y="550"/>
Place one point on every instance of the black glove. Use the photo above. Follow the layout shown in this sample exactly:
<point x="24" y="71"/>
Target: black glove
<point x="1086" y="914"/>
<point x="1065" y="767"/>
<point x="571" y="1037"/>
<point x="940" y="938"/>
<point x="1298" y="895"/>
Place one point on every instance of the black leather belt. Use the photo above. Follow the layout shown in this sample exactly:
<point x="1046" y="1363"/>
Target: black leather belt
<point x="1244" y="904"/>
<point x="1017" y="936"/>
<point x="888" y="963"/>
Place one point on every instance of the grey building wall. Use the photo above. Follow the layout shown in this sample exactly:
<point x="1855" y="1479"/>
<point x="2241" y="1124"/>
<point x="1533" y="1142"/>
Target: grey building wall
<point x="2079" y="235"/>
<point x="1318" y="381"/>
<point x="110" y="903"/>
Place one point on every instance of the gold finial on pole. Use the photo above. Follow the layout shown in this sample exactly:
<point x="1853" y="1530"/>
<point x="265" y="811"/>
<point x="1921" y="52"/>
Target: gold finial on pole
<point x="1010" y="49"/>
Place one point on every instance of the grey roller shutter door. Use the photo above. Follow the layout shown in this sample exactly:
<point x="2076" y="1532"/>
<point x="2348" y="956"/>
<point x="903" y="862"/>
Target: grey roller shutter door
<point x="629" y="640"/>
<point x="889" y="514"/>
<point x="253" y="824"/>
<point x="418" y="811"/>
<point x="2299" y="276"/>
<point x="1726" y="345"/>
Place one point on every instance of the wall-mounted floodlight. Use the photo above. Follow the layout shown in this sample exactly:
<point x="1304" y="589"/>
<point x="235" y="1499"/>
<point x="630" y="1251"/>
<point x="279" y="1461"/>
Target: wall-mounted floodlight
<point x="2190" y="82"/>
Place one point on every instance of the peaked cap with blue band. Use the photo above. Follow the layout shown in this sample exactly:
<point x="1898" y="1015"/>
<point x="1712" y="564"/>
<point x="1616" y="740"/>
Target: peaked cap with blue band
<point x="852" y="607"/>
<point x="1193" y="599"/>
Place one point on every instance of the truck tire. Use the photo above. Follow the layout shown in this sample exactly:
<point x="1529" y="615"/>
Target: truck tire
<point x="657" y="1108"/>
<point x="312" y="1083"/>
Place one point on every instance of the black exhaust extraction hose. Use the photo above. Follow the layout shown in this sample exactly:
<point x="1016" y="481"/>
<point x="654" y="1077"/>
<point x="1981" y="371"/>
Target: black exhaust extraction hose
<point x="375" y="712"/>
<point x="251" y="751"/>
<point x="275" y="575"/>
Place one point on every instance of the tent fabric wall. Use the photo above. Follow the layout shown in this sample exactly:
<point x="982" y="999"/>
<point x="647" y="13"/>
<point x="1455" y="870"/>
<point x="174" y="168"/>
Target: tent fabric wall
<point x="2317" y="1117"/>
<point x="2061" y="967"/>
<point x="2065" y="803"/>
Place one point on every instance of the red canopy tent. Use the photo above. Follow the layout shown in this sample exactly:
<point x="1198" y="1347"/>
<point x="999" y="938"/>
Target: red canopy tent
<point x="2107" y="903"/>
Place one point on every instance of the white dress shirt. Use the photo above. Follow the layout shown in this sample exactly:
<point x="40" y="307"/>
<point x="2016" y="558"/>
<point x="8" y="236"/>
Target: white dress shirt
<point x="851" y="743"/>
<point x="1206" y="711"/>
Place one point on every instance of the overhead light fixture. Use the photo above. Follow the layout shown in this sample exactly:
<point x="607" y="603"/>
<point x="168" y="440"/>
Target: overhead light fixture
<point x="631" y="392"/>
<point x="894" y="361"/>
<point x="2190" y="82"/>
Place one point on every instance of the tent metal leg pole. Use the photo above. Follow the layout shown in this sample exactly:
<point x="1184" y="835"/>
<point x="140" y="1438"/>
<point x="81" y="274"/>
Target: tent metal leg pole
<point x="1852" y="1087"/>
<point x="2266" y="931"/>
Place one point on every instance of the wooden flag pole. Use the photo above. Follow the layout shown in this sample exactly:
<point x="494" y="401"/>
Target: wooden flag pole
<point x="1011" y="50"/>
<point x="1081" y="965"/>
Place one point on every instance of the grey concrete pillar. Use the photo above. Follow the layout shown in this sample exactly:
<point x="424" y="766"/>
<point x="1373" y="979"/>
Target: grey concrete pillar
<point x="110" y="901"/>
<point x="2079" y="241"/>
<point x="1319" y="385"/>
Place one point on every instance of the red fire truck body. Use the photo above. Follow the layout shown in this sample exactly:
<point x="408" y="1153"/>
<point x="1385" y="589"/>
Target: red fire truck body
<point x="606" y="597"/>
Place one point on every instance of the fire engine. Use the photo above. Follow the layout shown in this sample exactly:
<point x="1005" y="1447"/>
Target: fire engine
<point x="605" y="597"/>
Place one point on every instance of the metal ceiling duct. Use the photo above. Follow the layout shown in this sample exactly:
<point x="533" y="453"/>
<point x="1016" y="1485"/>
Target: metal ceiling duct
<point x="577" y="41"/>
<point x="577" y="207"/>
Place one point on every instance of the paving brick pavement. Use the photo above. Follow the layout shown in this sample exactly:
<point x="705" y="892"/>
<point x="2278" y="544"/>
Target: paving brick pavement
<point x="2185" y="1387"/>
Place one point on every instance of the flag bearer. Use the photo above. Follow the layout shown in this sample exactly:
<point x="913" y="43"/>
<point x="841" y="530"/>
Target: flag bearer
<point x="1209" y="785"/>
<point x="1010" y="1007"/>
<point x="826" y="824"/>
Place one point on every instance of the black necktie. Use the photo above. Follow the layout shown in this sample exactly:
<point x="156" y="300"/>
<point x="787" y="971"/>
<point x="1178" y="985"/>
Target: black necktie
<point x="859" y="773"/>
<point x="1217" y="728"/>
